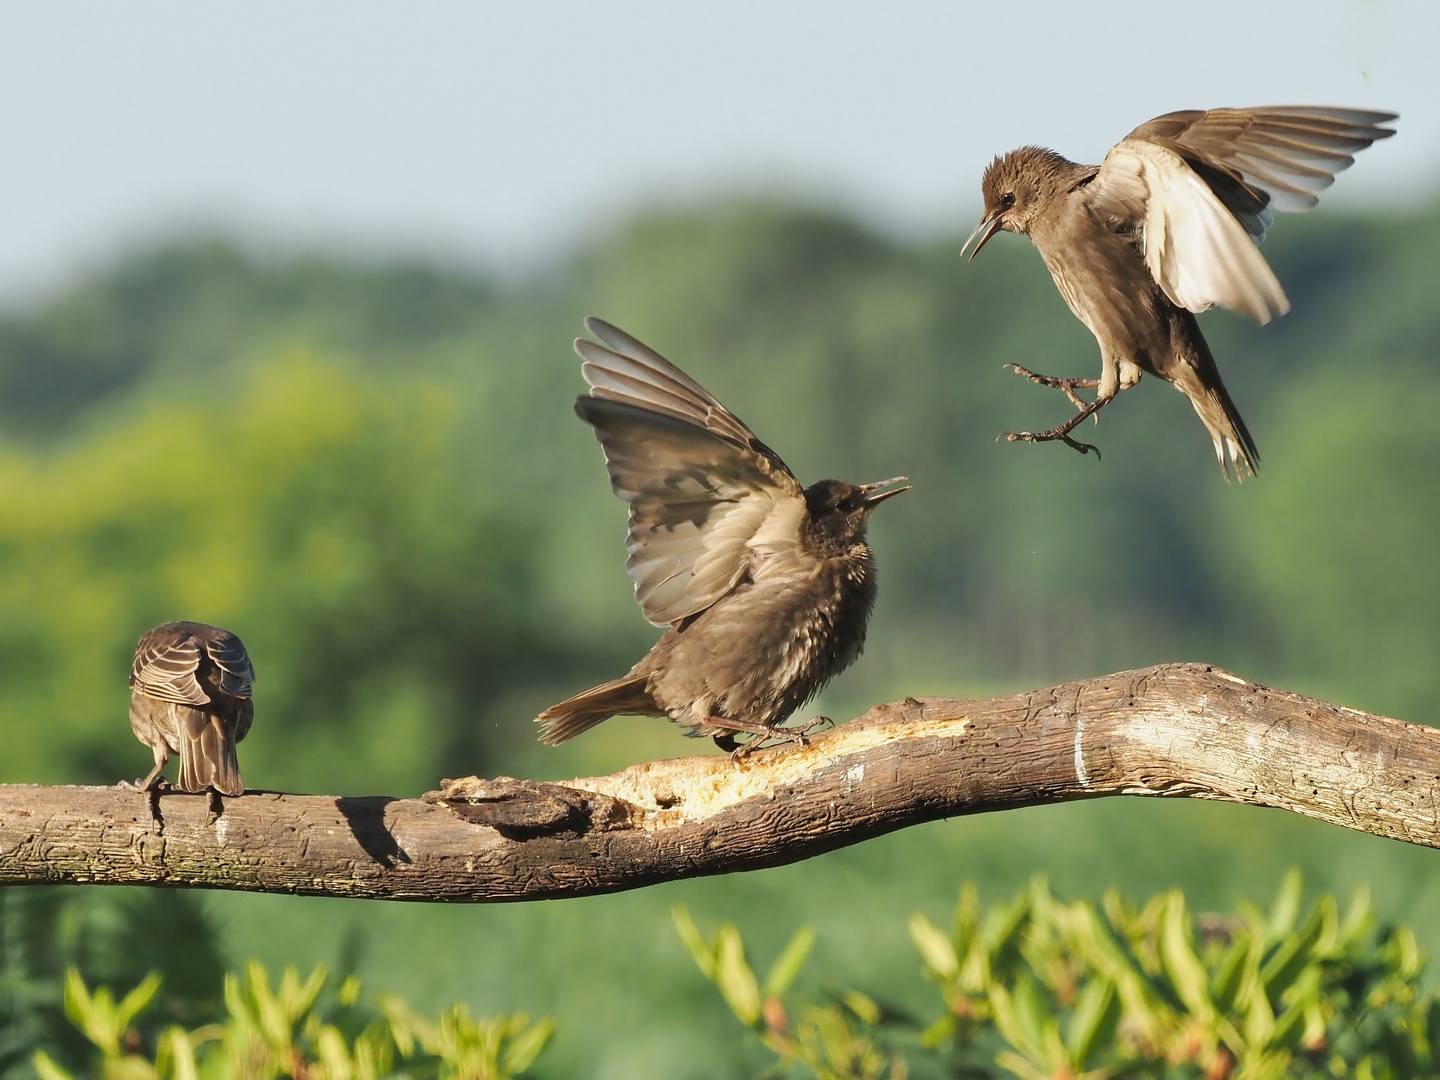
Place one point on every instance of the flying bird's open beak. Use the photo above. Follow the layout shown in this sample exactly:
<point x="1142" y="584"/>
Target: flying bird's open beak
<point x="877" y="493"/>
<point x="989" y="226"/>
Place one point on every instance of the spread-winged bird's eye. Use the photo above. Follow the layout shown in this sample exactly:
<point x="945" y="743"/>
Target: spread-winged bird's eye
<point x="1007" y="200"/>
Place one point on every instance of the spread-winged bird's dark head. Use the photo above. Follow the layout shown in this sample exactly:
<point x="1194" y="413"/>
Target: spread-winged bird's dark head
<point x="839" y="512"/>
<point x="1016" y="188"/>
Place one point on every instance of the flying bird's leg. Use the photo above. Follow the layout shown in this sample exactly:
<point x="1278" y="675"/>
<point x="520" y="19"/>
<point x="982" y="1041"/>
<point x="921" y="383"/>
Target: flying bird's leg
<point x="1062" y="433"/>
<point x="1057" y="383"/>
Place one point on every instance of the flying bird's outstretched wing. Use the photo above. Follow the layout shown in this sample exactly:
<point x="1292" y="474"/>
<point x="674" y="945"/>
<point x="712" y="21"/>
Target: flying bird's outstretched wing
<point x="1199" y="187"/>
<point x="706" y="496"/>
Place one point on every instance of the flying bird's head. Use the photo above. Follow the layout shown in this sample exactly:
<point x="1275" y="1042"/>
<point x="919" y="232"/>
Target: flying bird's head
<point x="1016" y="188"/>
<point x="839" y="511"/>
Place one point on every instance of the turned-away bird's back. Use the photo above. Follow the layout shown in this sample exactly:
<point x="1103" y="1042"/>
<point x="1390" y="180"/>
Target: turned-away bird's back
<point x="191" y="687"/>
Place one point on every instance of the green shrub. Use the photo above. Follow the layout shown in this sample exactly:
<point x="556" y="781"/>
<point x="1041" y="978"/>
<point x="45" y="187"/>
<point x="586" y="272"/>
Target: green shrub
<point x="292" y="1030"/>
<point x="1044" y="990"/>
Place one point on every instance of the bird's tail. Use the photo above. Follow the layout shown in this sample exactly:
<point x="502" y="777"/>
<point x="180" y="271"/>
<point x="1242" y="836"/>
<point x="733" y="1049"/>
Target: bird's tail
<point x="1199" y="380"/>
<point x="619" y="697"/>
<point x="207" y="755"/>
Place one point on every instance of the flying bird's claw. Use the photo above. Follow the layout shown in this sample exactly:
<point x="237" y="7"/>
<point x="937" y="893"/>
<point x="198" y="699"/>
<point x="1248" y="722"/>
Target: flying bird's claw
<point x="1055" y="382"/>
<point x="1054" y="435"/>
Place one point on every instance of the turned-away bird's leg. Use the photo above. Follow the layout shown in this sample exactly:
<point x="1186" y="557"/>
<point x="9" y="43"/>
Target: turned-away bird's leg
<point x="154" y="779"/>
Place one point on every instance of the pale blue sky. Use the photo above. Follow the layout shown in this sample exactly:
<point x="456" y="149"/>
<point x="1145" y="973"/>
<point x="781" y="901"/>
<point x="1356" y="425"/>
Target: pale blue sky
<point x="501" y="134"/>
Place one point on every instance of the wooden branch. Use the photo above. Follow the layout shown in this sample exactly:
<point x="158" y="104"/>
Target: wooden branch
<point x="1178" y="729"/>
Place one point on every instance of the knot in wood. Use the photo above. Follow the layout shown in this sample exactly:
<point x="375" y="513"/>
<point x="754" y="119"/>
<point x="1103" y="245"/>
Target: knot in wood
<point x="523" y="808"/>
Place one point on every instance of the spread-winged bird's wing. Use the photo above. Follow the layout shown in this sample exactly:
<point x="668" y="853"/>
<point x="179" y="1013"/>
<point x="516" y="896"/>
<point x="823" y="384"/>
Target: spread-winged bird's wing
<point x="1199" y="186"/>
<point x="704" y="492"/>
<point x="168" y="663"/>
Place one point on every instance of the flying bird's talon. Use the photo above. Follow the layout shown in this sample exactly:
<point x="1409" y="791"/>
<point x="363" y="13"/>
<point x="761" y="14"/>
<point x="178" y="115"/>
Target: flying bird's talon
<point x="1055" y="435"/>
<point x="1055" y="382"/>
<point x="1082" y="447"/>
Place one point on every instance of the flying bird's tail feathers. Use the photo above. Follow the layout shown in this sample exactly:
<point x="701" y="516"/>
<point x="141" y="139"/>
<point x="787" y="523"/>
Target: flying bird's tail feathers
<point x="207" y="755"/>
<point x="1197" y="377"/>
<point x="1233" y="444"/>
<point x="619" y="697"/>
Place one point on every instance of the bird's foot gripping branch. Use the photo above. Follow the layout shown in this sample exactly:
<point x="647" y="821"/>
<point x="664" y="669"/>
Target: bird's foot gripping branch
<point x="1177" y="729"/>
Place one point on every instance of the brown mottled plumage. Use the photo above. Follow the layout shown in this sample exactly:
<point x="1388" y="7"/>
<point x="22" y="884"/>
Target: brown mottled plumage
<point x="1168" y="226"/>
<point x="766" y="587"/>
<point x="191" y="686"/>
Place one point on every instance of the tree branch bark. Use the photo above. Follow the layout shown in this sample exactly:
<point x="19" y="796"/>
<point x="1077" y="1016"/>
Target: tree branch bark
<point x="1177" y="730"/>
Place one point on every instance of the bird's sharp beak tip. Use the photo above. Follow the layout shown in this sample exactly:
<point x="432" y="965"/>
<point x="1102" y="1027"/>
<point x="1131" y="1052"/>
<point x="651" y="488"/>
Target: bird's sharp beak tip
<point x="987" y="228"/>
<point x="878" y="492"/>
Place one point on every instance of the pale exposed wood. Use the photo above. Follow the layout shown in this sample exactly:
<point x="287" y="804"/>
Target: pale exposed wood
<point x="1179" y="730"/>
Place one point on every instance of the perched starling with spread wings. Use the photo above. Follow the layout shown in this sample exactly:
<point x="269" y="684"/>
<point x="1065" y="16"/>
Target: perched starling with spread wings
<point x="1165" y="227"/>
<point x="766" y="587"/>
<point x="190" y="695"/>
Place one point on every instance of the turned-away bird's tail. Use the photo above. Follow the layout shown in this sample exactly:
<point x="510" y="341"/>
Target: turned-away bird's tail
<point x="207" y="753"/>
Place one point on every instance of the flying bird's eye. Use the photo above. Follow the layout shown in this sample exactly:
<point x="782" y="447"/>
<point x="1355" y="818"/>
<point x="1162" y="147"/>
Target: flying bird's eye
<point x="1007" y="200"/>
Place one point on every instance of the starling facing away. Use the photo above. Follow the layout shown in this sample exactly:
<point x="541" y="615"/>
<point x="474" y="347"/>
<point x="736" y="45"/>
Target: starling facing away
<point x="191" y="696"/>
<point x="766" y="587"/>
<point x="1165" y="227"/>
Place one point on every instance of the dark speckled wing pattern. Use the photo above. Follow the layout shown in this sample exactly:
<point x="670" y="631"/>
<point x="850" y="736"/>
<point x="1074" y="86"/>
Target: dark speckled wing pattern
<point x="703" y="490"/>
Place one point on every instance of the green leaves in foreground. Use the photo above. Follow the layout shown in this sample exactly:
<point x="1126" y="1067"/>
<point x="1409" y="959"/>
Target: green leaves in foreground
<point x="1044" y="990"/>
<point x="283" y="1030"/>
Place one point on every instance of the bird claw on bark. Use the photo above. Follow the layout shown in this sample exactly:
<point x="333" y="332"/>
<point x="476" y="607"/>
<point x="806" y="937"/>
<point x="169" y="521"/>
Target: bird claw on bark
<point x="797" y="735"/>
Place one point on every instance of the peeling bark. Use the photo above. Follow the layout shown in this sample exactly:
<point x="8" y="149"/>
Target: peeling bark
<point x="1177" y="730"/>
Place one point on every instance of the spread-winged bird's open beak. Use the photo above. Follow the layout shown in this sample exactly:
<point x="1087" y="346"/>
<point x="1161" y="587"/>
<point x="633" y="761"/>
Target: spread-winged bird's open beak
<point x="875" y="493"/>
<point x="989" y="226"/>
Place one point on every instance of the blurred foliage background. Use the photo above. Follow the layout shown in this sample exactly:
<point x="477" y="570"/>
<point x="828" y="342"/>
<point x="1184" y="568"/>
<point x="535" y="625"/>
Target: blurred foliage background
<point x="370" y="471"/>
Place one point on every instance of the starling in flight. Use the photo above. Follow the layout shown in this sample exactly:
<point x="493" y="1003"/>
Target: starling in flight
<point x="765" y="587"/>
<point x="1165" y="227"/>
<point x="191" y="696"/>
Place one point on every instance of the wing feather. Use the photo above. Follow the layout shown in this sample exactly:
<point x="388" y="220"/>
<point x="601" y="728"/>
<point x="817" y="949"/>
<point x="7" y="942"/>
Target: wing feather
<point x="1198" y="188"/>
<point x="1290" y="152"/>
<point x="168" y="662"/>
<point x="700" y="485"/>
<point x="236" y="673"/>
<point x="165" y="666"/>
